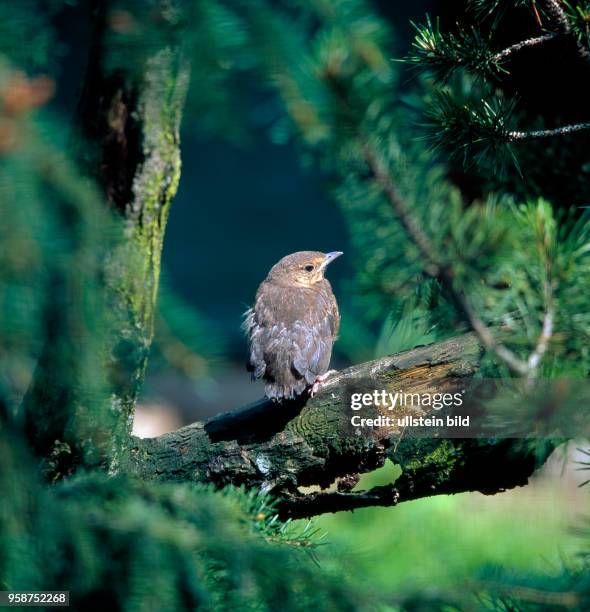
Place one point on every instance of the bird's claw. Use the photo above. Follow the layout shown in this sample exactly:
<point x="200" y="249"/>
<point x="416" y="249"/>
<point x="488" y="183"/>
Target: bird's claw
<point x="319" y="381"/>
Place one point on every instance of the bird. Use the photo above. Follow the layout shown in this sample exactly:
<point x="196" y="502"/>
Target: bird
<point x="293" y="325"/>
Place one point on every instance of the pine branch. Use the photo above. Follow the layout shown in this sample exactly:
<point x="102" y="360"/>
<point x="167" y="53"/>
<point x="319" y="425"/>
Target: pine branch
<point x="496" y="9"/>
<point x="548" y="319"/>
<point x="436" y="266"/>
<point x="486" y="131"/>
<point x="559" y="17"/>
<point x="517" y="365"/>
<point x="543" y="341"/>
<point x="516" y="136"/>
<point x="523" y="44"/>
<point x="311" y="504"/>
<point x="473" y="132"/>
<point x="444" y="53"/>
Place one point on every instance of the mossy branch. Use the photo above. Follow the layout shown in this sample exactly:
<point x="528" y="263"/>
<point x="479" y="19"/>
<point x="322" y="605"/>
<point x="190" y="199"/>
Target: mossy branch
<point x="287" y="448"/>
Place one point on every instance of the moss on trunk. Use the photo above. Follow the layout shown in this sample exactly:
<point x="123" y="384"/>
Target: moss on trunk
<point x="130" y="119"/>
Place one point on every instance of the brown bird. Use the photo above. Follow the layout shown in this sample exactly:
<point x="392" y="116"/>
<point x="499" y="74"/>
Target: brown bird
<point x="293" y="325"/>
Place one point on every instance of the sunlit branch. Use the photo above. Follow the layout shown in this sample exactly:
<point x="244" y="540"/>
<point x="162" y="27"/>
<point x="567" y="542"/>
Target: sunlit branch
<point x="524" y="44"/>
<point x="515" y="136"/>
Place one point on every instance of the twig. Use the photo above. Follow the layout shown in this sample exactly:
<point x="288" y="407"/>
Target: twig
<point x="515" y="136"/>
<point x="524" y="44"/>
<point x="543" y="342"/>
<point x="547" y="329"/>
<point x="514" y="362"/>
<point x="306" y="505"/>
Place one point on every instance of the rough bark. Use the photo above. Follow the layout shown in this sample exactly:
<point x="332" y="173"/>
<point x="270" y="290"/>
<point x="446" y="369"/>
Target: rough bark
<point x="134" y="119"/>
<point x="130" y="120"/>
<point x="290" y="447"/>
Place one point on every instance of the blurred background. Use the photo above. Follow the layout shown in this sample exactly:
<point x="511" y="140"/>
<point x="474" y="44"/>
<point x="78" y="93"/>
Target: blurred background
<point x="244" y="201"/>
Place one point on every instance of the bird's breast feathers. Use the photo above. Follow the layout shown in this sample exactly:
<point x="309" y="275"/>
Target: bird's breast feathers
<point x="287" y="304"/>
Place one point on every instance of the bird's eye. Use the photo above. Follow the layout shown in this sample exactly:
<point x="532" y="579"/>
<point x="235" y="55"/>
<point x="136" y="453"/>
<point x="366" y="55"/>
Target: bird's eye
<point x="308" y="268"/>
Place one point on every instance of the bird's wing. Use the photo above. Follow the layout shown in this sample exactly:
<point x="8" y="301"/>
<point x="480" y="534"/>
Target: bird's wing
<point x="255" y="333"/>
<point x="334" y="314"/>
<point x="314" y="334"/>
<point x="312" y="346"/>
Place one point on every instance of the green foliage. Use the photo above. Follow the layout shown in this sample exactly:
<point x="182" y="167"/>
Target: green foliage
<point x="445" y="553"/>
<point x="506" y="249"/>
<point x="129" y="545"/>
<point x="444" y="53"/>
<point x="473" y="132"/>
<point x="406" y="329"/>
<point x="480" y="127"/>
<point x="28" y="20"/>
<point x="528" y="591"/>
<point x="55" y="235"/>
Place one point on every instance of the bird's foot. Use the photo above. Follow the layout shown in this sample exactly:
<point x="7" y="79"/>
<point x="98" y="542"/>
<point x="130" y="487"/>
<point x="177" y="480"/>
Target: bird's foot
<point x="319" y="381"/>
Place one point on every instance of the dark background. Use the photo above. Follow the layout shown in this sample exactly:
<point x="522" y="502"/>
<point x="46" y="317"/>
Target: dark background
<point x="239" y="208"/>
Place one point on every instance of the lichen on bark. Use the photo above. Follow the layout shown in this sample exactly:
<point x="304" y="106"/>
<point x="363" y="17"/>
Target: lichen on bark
<point x="134" y="266"/>
<point x="285" y="449"/>
<point x="129" y="119"/>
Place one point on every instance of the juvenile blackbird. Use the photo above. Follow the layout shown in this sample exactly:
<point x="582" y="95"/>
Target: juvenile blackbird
<point x="293" y="325"/>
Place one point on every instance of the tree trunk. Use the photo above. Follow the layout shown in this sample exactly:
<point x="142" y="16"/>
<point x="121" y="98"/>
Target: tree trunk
<point x="130" y="120"/>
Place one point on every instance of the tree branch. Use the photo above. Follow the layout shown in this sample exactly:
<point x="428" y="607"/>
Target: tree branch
<point x="523" y="44"/>
<point x="438" y="268"/>
<point x="287" y="448"/>
<point x="547" y="329"/>
<point x="556" y="12"/>
<point x="564" y="130"/>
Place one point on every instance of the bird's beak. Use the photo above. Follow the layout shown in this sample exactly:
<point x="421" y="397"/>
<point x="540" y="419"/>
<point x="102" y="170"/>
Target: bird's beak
<point x="330" y="257"/>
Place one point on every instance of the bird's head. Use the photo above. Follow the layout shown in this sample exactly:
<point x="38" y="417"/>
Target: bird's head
<point x="305" y="268"/>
